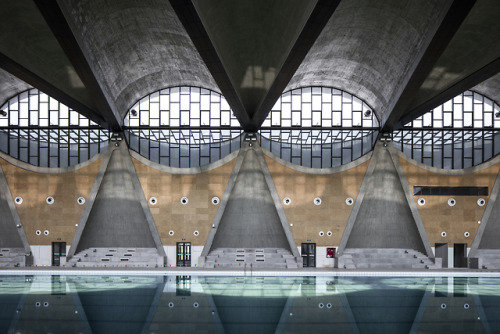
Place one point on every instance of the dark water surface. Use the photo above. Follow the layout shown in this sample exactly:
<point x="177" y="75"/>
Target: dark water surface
<point x="196" y="304"/>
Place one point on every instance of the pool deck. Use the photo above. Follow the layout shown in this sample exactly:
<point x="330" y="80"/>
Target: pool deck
<point x="183" y="271"/>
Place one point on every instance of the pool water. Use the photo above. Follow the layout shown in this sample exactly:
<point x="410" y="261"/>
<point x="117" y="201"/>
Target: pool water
<point x="196" y="304"/>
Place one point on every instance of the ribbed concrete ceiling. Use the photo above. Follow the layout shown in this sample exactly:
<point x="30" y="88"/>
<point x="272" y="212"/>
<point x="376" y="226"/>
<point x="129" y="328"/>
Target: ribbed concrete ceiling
<point x="128" y="49"/>
<point x="368" y="46"/>
<point x="135" y="48"/>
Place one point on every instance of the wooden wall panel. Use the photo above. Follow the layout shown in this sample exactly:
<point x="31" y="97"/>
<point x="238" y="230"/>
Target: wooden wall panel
<point x="60" y="218"/>
<point x="437" y="216"/>
<point x="170" y="215"/>
<point x="307" y="218"/>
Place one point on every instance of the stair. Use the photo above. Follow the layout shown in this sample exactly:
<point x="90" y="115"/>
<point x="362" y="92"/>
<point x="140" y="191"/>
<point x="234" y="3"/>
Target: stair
<point x="12" y="257"/>
<point x="254" y="257"/>
<point x="488" y="258"/>
<point x="117" y="257"/>
<point x="384" y="258"/>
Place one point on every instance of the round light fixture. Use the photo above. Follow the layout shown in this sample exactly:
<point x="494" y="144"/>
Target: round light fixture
<point x="153" y="201"/>
<point x="49" y="200"/>
<point x="80" y="200"/>
<point x="18" y="200"/>
<point x="349" y="201"/>
<point x="287" y="201"/>
<point x="184" y="200"/>
<point x="481" y="202"/>
<point x="317" y="201"/>
<point x="452" y="202"/>
<point x="421" y="201"/>
<point x="215" y="200"/>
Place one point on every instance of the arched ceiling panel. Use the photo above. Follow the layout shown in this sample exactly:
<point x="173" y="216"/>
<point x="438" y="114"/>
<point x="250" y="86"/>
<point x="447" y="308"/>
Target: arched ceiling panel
<point x="367" y="48"/>
<point x="490" y="88"/>
<point x="135" y="47"/>
<point x="10" y="86"/>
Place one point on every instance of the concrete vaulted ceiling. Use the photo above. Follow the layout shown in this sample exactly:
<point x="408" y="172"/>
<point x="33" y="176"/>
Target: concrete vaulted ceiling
<point x="99" y="57"/>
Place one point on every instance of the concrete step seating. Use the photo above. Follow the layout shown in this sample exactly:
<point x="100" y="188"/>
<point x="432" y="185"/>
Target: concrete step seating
<point x="256" y="257"/>
<point x="117" y="257"/>
<point x="384" y="258"/>
<point x="12" y="257"/>
<point x="488" y="258"/>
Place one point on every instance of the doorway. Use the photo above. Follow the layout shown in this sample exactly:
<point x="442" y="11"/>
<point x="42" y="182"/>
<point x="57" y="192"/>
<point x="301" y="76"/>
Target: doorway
<point x="183" y="254"/>
<point x="58" y="250"/>
<point x="460" y="255"/>
<point x="442" y="252"/>
<point x="308" y="252"/>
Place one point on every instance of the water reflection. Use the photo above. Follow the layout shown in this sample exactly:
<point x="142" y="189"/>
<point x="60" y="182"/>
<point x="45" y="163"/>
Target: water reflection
<point x="184" y="304"/>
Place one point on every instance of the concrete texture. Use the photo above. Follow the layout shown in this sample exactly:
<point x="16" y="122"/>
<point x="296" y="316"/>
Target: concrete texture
<point x="10" y="233"/>
<point x="10" y="86"/>
<point x="367" y="48"/>
<point x="250" y="219"/>
<point x="116" y="218"/>
<point x="489" y="88"/>
<point x="488" y="235"/>
<point x="135" y="48"/>
<point x="384" y="219"/>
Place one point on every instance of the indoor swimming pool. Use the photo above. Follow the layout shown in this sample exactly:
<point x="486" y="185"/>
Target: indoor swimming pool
<point x="221" y="304"/>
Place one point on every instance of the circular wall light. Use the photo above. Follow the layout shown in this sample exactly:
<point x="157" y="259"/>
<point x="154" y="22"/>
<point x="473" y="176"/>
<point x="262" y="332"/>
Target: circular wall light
<point x="184" y="200"/>
<point x="38" y="232"/>
<point x="321" y="305"/>
<point x="170" y="233"/>
<point x="421" y="201"/>
<point x="466" y="234"/>
<point x="46" y="304"/>
<point x="481" y="202"/>
<point x="49" y="200"/>
<point x="38" y="304"/>
<point x="153" y="201"/>
<point x="287" y="201"/>
<point x="170" y="304"/>
<point x="317" y="201"/>
<point x="443" y="306"/>
<point x="443" y="234"/>
<point x="18" y="200"/>
<point x="196" y="305"/>
<point x="215" y="200"/>
<point x="466" y="306"/>
<point x="329" y="233"/>
<point x="80" y="200"/>
<point x="46" y="232"/>
<point x="329" y="305"/>
<point x="452" y="202"/>
<point x="349" y="201"/>
<point x="321" y="233"/>
<point x="196" y="233"/>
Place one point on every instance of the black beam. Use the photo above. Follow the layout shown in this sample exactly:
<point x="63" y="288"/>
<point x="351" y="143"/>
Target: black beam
<point x="34" y="80"/>
<point x="452" y="21"/>
<point x="466" y="83"/>
<point x="187" y="14"/>
<point x="320" y="16"/>
<point x="55" y="19"/>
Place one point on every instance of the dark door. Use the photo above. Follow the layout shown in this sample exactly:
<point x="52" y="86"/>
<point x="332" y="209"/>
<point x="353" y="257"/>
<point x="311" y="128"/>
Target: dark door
<point x="442" y="252"/>
<point x="460" y="255"/>
<point x="308" y="252"/>
<point x="183" y="254"/>
<point x="58" y="250"/>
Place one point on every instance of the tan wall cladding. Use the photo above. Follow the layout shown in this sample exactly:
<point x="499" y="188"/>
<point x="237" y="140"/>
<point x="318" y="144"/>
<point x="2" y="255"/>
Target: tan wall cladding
<point x="307" y="218"/>
<point x="170" y="214"/>
<point x="437" y="216"/>
<point x="58" y="218"/>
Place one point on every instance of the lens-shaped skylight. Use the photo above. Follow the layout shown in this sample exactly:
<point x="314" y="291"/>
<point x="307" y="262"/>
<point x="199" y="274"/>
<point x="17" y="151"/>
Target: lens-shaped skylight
<point x="461" y="133"/>
<point x="183" y="127"/>
<point x="319" y="127"/>
<point x="37" y="129"/>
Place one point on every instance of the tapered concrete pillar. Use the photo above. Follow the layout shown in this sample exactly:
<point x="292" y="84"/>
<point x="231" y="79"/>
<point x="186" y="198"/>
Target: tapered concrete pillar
<point x="117" y="217"/>
<point x="11" y="230"/>
<point x="250" y="218"/>
<point x="382" y="217"/>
